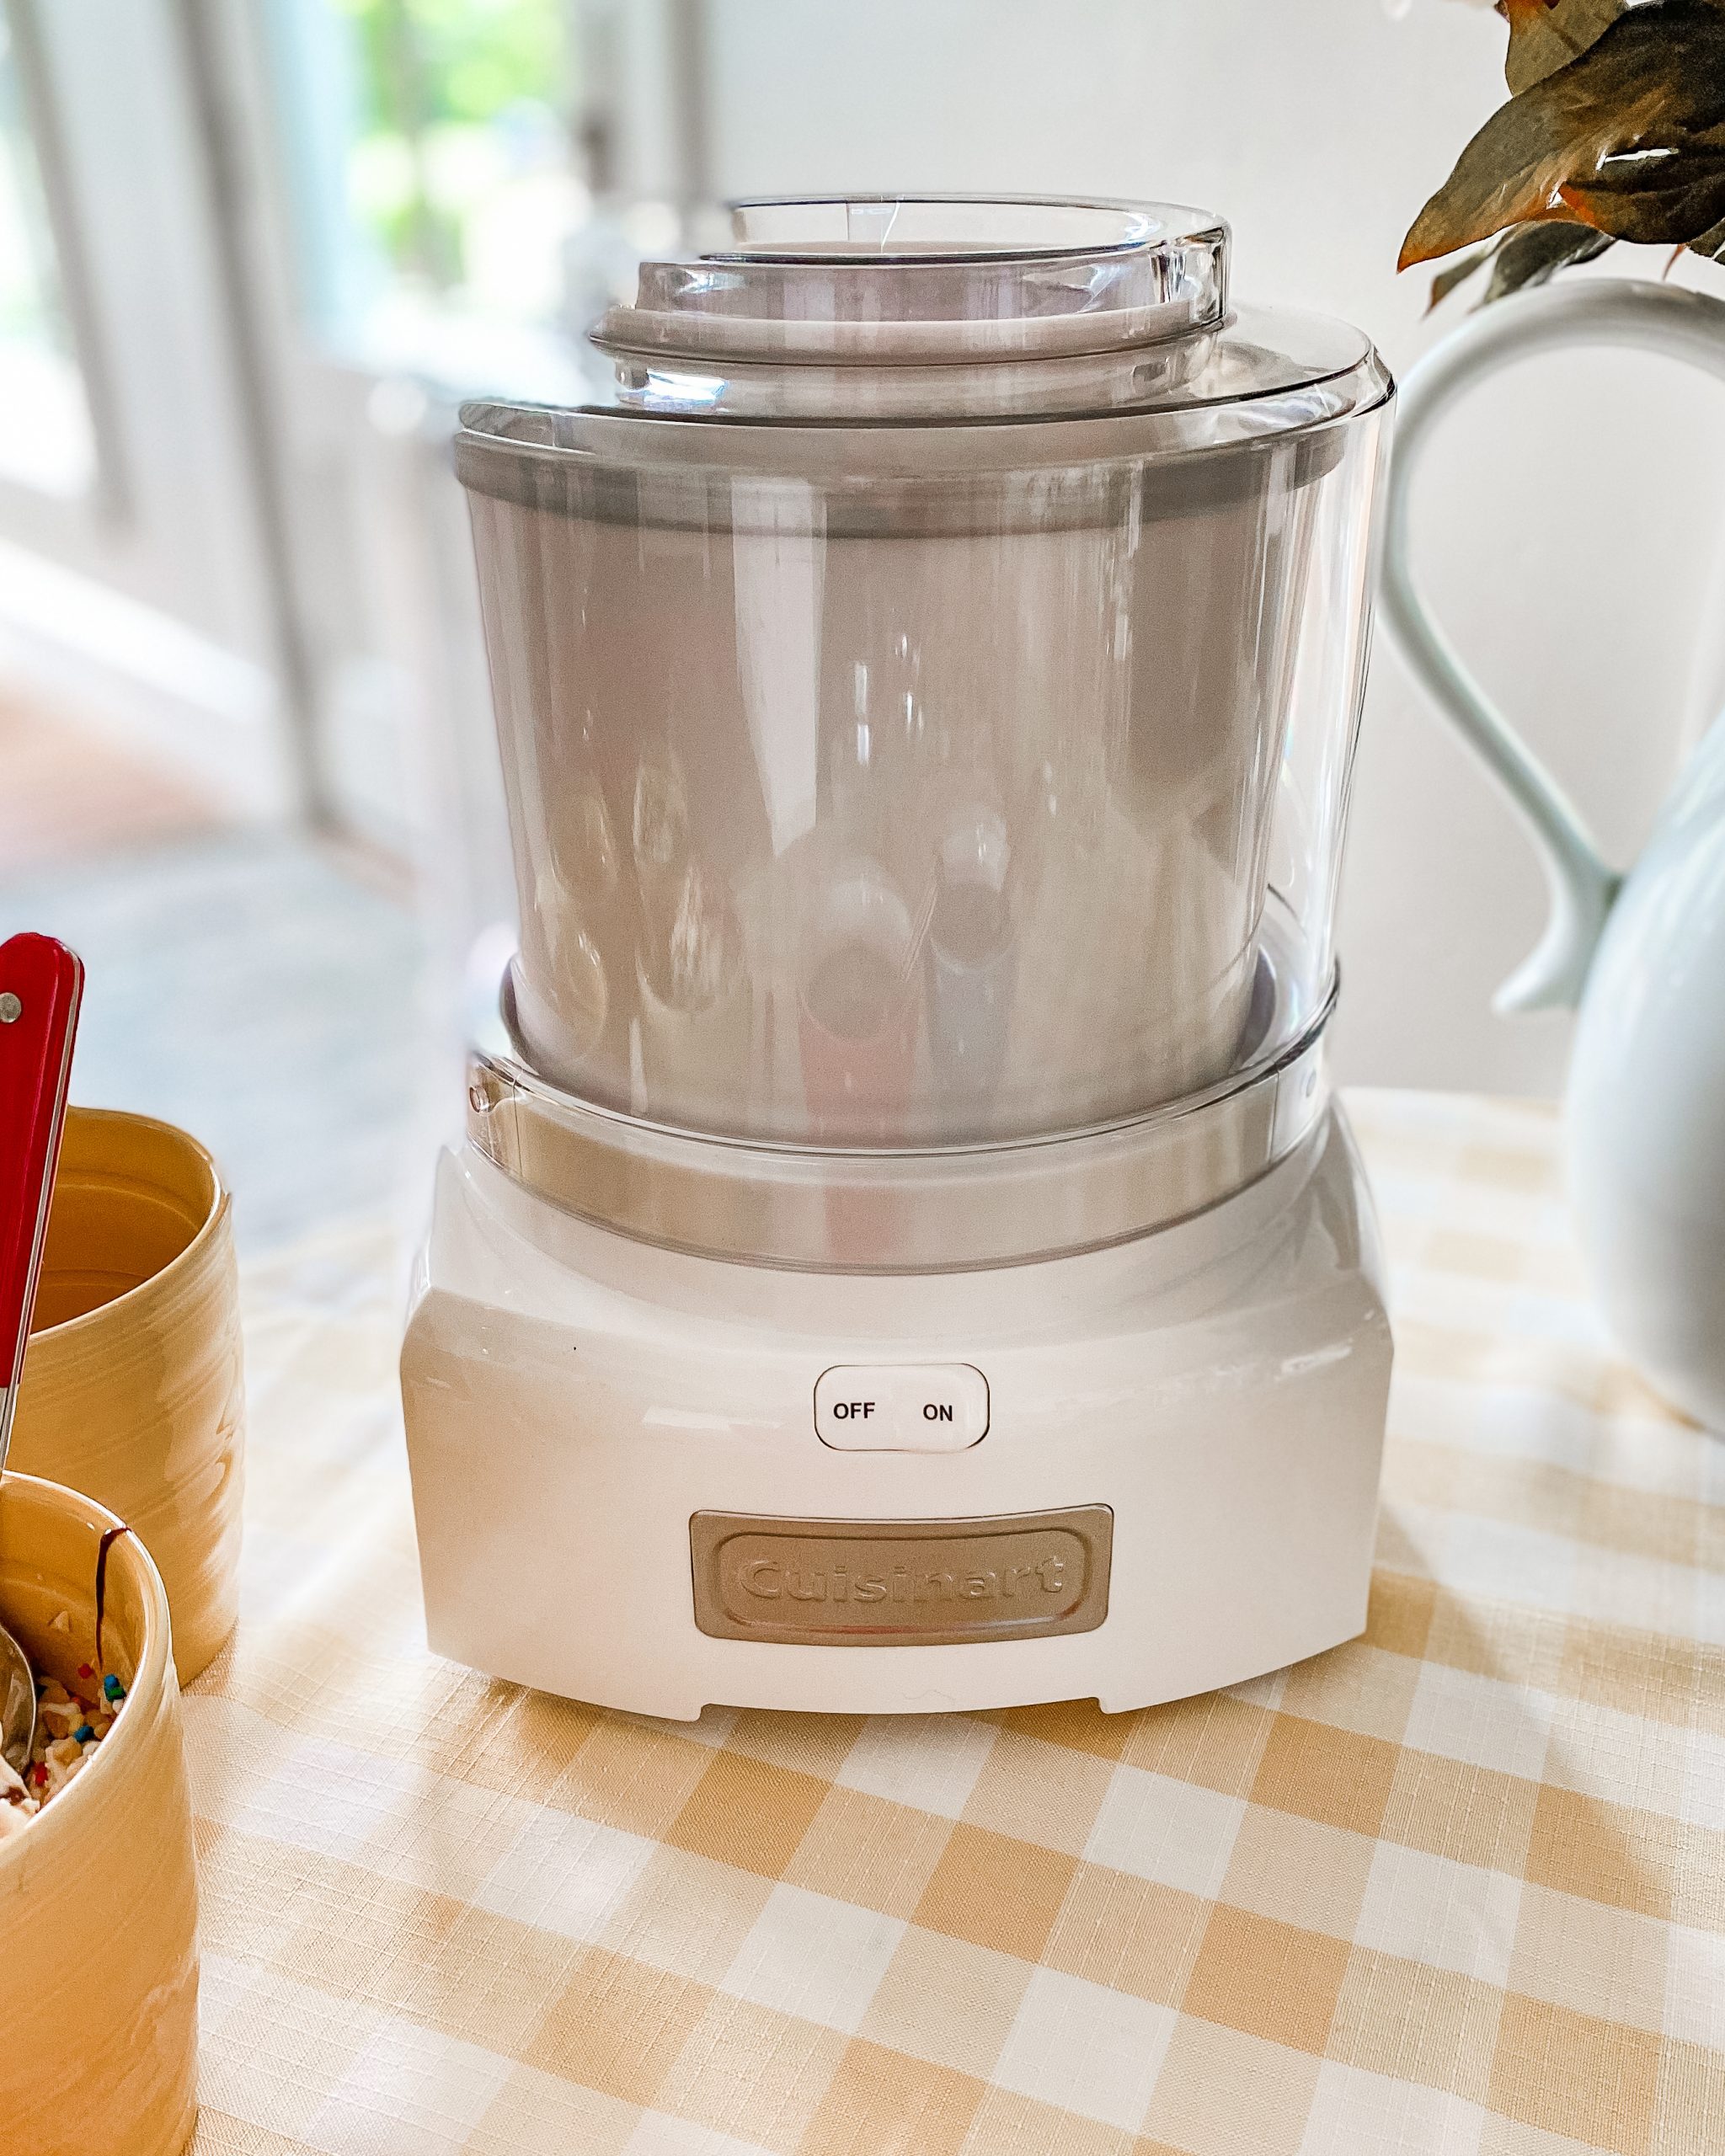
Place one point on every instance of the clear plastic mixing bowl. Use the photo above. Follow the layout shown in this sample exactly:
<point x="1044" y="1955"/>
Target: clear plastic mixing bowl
<point x="927" y="691"/>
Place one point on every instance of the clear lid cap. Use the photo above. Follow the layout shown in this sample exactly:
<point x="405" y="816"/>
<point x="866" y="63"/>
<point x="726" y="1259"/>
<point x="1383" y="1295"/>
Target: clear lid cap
<point x="921" y="279"/>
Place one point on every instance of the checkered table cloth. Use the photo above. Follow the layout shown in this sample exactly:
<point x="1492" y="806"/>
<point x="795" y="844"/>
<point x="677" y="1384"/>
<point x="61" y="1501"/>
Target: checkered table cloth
<point x="1458" y="1887"/>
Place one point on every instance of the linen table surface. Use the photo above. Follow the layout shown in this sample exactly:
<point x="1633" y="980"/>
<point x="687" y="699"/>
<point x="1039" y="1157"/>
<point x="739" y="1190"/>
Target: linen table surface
<point x="1459" y="1885"/>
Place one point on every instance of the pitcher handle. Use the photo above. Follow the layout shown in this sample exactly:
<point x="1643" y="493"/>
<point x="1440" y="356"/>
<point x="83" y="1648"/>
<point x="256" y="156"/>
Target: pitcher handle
<point x="1683" y="325"/>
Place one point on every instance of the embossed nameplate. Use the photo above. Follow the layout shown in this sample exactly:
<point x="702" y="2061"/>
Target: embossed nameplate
<point x="887" y="1583"/>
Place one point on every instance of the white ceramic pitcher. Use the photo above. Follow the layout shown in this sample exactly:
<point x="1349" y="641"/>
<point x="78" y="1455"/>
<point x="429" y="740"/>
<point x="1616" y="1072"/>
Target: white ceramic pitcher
<point x="1643" y="955"/>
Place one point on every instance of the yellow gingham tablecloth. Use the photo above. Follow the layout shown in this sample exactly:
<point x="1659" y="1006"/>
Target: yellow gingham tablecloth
<point x="1458" y="1887"/>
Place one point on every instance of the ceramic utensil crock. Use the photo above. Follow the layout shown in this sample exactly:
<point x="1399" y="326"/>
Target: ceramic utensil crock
<point x="99" y="1893"/>
<point x="132" y="1384"/>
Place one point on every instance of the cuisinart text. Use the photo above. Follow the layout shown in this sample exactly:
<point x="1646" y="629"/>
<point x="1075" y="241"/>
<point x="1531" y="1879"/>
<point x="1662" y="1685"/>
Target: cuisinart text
<point x="900" y="1583"/>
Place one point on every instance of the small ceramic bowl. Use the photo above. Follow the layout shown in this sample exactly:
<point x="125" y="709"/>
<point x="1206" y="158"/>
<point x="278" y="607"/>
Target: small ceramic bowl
<point x="132" y="1389"/>
<point x="98" y="1973"/>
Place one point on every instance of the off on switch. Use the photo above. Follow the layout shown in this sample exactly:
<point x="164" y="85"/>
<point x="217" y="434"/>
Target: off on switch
<point x="900" y="1406"/>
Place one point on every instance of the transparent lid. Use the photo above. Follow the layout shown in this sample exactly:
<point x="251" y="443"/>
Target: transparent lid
<point x="907" y="308"/>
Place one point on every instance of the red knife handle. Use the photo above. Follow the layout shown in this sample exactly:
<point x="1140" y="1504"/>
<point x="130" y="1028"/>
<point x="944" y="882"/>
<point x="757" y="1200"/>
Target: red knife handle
<point x="41" y="985"/>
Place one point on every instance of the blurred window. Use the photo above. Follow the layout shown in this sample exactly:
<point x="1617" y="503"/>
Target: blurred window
<point x="431" y="149"/>
<point x="47" y="439"/>
<point x="459" y="169"/>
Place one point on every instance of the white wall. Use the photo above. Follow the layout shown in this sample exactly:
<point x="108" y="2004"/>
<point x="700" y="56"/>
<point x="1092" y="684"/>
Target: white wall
<point x="1571" y="536"/>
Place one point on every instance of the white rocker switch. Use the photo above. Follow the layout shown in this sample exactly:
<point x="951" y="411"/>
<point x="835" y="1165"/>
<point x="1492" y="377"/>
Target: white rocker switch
<point x="900" y="1406"/>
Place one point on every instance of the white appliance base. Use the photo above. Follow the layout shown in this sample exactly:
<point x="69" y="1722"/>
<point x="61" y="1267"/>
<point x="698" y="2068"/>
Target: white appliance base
<point x="574" y="1400"/>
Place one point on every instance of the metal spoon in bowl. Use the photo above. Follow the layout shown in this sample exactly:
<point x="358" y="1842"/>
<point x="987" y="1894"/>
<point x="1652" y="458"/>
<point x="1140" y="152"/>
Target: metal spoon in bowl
<point x="17" y="1705"/>
<point x="41" y="984"/>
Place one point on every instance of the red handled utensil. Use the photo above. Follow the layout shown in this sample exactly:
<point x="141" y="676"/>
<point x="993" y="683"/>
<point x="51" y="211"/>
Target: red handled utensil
<point x="41" y="984"/>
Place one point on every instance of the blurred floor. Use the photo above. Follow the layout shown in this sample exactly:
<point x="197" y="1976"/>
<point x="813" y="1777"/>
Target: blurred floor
<point x="239" y="982"/>
<point x="66" y="790"/>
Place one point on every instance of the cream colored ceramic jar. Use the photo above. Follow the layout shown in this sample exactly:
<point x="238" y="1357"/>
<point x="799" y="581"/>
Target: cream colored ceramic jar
<point x="99" y="1975"/>
<point x="132" y="1389"/>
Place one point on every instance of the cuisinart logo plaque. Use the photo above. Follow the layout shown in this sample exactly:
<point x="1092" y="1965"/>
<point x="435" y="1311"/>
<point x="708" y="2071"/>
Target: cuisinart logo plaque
<point x="876" y="1583"/>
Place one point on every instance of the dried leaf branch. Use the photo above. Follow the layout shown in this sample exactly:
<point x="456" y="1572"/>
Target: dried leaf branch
<point x="1616" y="130"/>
